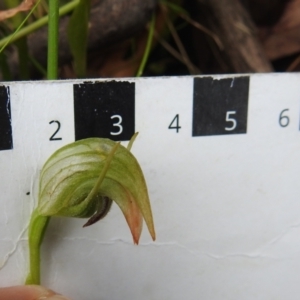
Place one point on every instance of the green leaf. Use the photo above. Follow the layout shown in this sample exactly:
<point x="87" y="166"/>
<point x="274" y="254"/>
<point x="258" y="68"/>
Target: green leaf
<point x="77" y="33"/>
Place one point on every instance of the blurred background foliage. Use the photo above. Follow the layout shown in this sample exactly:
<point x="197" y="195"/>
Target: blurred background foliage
<point x="114" y="38"/>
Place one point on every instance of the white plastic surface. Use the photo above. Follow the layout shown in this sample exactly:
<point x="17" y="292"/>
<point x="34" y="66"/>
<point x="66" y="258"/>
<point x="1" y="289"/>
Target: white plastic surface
<point x="226" y="208"/>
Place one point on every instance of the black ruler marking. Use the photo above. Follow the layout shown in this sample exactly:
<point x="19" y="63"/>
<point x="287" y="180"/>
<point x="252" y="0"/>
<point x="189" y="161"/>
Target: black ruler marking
<point x="6" y="139"/>
<point x="220" y="106"/>
<point x="104" y="109"/>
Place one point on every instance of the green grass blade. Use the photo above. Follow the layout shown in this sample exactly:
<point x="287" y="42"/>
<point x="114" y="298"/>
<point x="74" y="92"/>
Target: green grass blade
<point x="10" y="38"/>
<point x="35" y="25"/>
<point x="5" y="71"/>
<point x="148" y="47"/>
<point x="38" y="66"/>
<point x="77" y="33"/>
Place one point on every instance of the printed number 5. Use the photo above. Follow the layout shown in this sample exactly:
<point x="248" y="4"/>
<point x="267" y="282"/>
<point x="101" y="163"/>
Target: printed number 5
<point x="232" y="120"/>
<point x="117" y="124"/>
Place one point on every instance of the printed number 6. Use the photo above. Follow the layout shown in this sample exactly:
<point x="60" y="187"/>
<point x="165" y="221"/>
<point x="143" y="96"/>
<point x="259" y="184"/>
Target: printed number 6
<point x="118" y="124"/>
<point x="284" y="120"/>
<point x="228" y="119"/>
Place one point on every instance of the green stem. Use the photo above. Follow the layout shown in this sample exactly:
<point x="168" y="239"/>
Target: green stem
<point x="35" y="25"/>
<point x="52" y="64"/>
<point x="36" y="231"/>
<point x="148" y="47"/>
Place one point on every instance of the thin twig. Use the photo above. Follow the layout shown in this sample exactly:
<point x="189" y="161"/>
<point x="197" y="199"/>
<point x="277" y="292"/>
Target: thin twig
<point x="185" y="15"/>
<point x="293" y="65"/>
<point x="204" y="29"/>
<point x="192" y="69"/>
<point x="169" y="48"/>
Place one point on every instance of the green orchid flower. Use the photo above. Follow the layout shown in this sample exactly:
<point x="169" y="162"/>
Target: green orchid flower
<point x="81" y="180"/>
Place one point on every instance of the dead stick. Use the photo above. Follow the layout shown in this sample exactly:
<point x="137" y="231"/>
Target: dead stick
<point x="233" y="25"/>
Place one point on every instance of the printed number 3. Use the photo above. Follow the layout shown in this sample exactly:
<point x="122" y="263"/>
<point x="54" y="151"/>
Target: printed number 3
<point x="117" y="124"/>
<point x="230" y="119"/>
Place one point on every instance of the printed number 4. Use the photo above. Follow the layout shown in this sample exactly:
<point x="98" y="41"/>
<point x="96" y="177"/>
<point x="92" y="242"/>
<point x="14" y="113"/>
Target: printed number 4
<point x="230" y="119"/>
<point x="175" y="123"/>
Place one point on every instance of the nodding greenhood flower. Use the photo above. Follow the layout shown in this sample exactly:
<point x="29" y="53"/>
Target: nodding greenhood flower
<point x="81" y="180"/>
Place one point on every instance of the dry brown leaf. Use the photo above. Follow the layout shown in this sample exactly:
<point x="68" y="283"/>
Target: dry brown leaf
<point x="283" y="39"/>
<point x="115" y="65"/>
<point x="24" y="6"/>
<point x="111" y="63"/>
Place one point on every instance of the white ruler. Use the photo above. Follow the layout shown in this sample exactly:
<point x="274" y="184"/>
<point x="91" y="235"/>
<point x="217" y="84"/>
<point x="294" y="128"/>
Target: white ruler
<point x="221" y="156"/>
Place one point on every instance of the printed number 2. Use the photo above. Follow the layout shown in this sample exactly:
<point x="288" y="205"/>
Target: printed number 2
<point x="117" y="124"/>
<point x="230" y="119"/>
<point x="52" y="137"/>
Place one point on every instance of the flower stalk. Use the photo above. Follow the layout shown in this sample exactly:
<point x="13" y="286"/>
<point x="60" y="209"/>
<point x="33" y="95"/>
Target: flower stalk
<point x="37" y="228"/>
